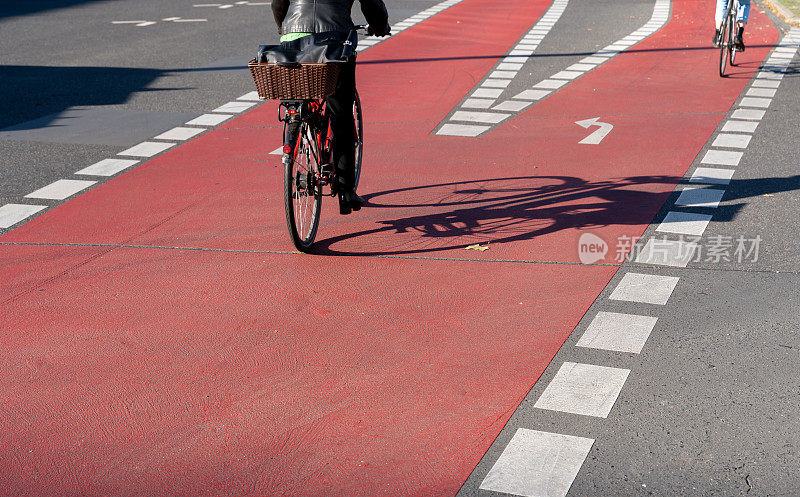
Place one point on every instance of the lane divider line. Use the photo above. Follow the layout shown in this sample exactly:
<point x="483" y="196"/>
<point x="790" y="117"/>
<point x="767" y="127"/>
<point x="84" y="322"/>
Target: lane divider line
<point x="12" y="215"/>
<point x="538" y="463"/>
<point x="507" y="70"/>
<point x="584" y="389"/>
<point x="60" y="189"/>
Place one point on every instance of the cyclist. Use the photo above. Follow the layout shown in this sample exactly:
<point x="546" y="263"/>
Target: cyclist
<point x="741" y="19"/>
<point x="299" y="18"/>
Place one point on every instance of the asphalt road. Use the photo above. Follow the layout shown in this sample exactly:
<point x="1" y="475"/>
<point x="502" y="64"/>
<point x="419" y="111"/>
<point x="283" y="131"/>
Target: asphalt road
<point x="450" y="359"/>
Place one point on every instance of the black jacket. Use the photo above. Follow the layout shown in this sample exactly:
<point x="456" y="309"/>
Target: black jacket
<point x="321" y="16"/>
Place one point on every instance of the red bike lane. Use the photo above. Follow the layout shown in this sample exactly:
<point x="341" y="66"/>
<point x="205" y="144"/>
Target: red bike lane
<point x="160" y="337"/>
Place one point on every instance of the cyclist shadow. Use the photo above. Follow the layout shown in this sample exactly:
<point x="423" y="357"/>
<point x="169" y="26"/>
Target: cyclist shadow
<point x="459" y="214"/>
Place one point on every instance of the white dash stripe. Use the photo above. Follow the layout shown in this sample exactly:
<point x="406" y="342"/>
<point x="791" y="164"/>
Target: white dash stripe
<point x="11" y="214"/>
<point x="538" y="464"/>
<point x="644" y="288"/>
<point x="684" y="223"/>
<point x="583" y="389"/>
<point x="147" y="149"/>
<point x="107" y="167"/>
<point x="61" y="189"/>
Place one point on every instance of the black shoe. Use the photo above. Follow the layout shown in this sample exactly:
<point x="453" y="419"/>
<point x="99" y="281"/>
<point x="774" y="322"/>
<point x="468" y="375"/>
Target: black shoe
<point x="716" y="41"/>
<point x="350" y="201"/>
<point x="738" y="40"/>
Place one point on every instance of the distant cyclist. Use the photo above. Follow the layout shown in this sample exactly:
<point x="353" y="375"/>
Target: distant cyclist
<point x="300" y="18"/>
<point x="741" y="20"/>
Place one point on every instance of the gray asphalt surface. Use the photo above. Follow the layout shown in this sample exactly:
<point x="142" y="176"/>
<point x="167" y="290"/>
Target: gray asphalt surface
<point x="57" y="59"/>
<point x="712" y="404"/>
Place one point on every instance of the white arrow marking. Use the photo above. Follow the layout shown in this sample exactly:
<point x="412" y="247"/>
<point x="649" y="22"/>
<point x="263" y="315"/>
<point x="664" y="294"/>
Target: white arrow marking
<point x="596" y="137"/>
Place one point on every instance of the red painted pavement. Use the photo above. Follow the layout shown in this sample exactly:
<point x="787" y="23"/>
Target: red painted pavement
<point x="154" y="371"/>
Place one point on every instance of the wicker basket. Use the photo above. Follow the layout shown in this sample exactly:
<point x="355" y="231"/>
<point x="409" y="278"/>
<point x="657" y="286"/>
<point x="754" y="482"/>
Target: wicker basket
<point x="302" y="81"/>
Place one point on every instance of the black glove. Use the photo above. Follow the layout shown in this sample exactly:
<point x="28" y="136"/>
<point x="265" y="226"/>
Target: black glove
<point x="385" y="31"/>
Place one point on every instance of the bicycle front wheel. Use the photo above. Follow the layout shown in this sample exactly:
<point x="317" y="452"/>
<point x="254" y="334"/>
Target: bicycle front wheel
<point x="725" y="45"/>
<point x="302" y="192"/>
<point x="359" y="136"/>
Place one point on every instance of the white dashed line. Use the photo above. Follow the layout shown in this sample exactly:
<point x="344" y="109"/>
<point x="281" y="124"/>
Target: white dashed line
<point x="147" y="149"/>
<point x="462" y="130"/>
<point x="730" y="140"/>
<point x="11" y="214"/>
<point x="684" y="223"/>
<point x="107" y="167"/>
<point x="618" y="332"/>
<point x="722" y="157"/>
<point x="644" y="288"/>
<point x="180" y="133"/>
<point x="538" y="464"/>
<point x="692" y="196"/>
<point x="583" y="389"/>
<point x="210" y="119"/>
<point x="712" y="176"/>
<point x="61" y="189"/>
<point x="250" y="96"/>
<point x="525" y="48"/>
<point x="663" y="252"/>
<point x="234" y="107"/>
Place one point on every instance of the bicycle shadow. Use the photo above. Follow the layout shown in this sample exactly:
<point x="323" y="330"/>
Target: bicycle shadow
<point x="518" y="209"/>
<point x="502" y="210"/>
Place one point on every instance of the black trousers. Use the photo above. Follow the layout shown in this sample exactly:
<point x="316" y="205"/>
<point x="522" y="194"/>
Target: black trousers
<point x="340" y="111"/>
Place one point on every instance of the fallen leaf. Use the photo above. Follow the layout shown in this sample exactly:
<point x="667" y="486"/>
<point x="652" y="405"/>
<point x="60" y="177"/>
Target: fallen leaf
<point x="478" y="247"/>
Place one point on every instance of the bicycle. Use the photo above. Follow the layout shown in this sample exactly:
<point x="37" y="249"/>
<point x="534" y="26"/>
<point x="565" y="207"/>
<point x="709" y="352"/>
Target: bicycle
<point x="727" y="48"/>
<point x="309" y="173"/>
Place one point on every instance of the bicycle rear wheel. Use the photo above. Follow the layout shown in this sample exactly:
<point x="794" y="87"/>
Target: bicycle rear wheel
<point x="724" y="47"/>
<point x="302" y="193"/>
<point x="359" y="135"/>
<point x="731" y="44"/>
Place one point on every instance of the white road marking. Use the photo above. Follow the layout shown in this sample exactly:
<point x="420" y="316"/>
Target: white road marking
<point x="644" y="288"/>
<point x="730" y="140"/>
<point x="684" y="223"/>
<point x="179" y="133"/>
<point x="191" y="20"/>
<point x="740" y="126"/>
<point x="660" y="252"/>
<point x="581" y="67"/>
<point x="496" y="83"/>
<point x="234" y="107"/>
<point x="107" y="167"/>
<point x="567" y="74"/>
<point x="277" y="151"/>
<point x="712" y="176"/>
<point x="597" y="136"/>
<point x="755" y="102"/>
<point x="512" y="105"/>
<point x="477" y="103"/>
<point x="251" y="96"/>
<point x="147" y="149"/>
<point x="462" y="130"/>
<point x="583" y="389"/>
<point x="538" y="464"/>
<point x="487" y="93"/>
<point x="618" y="332"/>
<point x="751" y="114"/>
<point x="550" y="84"/>
<point x="478" y="117"/>
<point x="532" y="95"/>
<point x="722" y="157"/>
<point x="61" y="189"/>
<point x="761" y="92"/>
<point x="210" y="119"/>
<point x="695" y="196"/>
<point x="766" y="83"/>
<point x="11" y="214"/>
